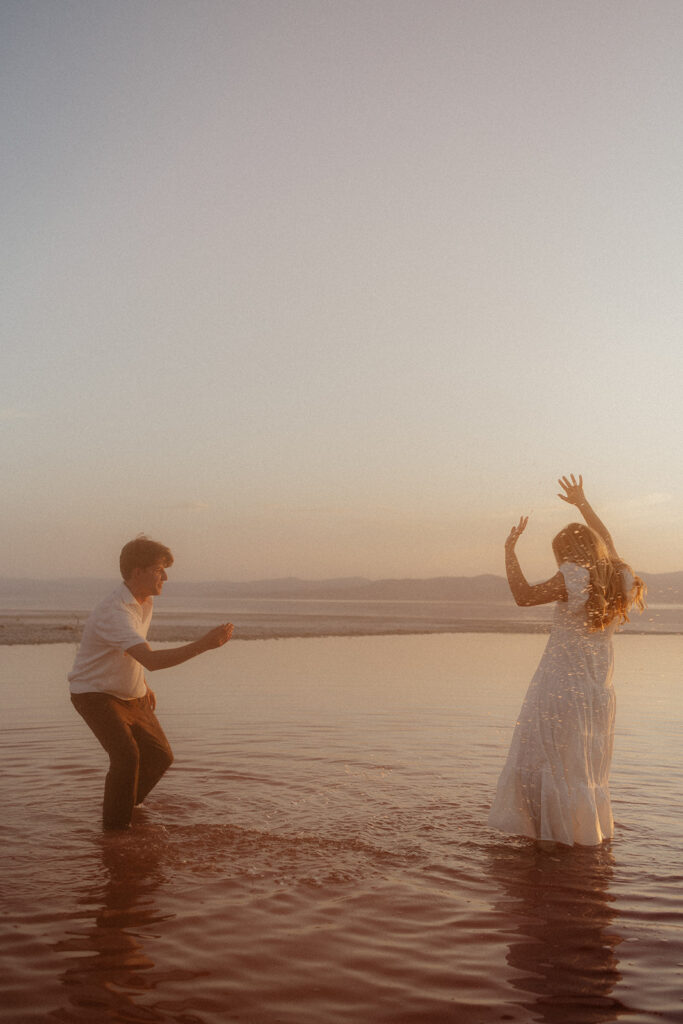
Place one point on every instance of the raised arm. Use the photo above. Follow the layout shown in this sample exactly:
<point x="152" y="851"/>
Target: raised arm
<point x="167" y="658"/>
<point x="524" y="593"/>
<point x="573" y="495"/>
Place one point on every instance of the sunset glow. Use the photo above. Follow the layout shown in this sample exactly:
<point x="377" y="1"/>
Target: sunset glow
<point x="338" y="289"/>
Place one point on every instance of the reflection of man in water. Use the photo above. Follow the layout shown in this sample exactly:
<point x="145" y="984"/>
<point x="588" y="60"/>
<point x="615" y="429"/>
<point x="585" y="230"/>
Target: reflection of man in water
<point x="109" y="974"/>
<point x="107" y="681"/>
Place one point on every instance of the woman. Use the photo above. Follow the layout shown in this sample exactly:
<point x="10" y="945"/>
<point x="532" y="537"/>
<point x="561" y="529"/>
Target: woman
<point x="555" y="783"/>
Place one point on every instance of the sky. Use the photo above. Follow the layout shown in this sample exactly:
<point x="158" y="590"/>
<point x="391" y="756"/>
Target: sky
<point x="327" y="288"/>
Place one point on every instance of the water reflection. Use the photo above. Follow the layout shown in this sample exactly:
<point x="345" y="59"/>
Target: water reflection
<point x="562" y="940"/>
<point x="112" y="978"/>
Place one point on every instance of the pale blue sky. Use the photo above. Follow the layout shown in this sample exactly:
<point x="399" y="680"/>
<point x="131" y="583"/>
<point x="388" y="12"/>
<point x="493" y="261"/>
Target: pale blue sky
<point x="338" y="288"/>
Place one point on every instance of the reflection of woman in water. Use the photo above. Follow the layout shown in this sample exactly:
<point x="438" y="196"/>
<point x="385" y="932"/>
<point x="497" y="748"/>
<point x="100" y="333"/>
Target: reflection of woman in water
<point x="555" y="784"/>
<point x="561" y="924"/>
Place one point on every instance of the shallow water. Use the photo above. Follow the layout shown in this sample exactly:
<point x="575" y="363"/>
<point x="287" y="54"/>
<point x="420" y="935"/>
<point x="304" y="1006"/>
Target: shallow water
<point x="318" y="853"/>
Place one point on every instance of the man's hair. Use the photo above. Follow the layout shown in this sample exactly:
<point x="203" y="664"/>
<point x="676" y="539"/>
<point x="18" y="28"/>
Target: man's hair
<point x="141" y="553"/>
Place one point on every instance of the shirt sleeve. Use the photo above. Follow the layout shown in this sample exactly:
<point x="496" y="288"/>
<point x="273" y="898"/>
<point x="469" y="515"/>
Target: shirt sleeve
<point x="577" y="582"/>
<point x="119" y="628"/>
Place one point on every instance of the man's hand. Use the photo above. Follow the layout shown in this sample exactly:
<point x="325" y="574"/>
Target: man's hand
<point x="152" y="698"/>
<point x="217" y="636"/>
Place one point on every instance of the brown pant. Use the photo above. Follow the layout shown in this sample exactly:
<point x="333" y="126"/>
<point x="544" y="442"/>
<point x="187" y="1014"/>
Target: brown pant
<point x="139" y="752"/>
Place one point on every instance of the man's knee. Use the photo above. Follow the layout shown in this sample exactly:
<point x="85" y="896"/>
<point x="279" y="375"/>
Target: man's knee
<point x="125" y="757"/>
<point x="165" y="758"/>
<point x="157" y="758"/>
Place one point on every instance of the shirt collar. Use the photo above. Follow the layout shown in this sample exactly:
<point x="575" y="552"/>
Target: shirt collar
<point x="128" y="598"/>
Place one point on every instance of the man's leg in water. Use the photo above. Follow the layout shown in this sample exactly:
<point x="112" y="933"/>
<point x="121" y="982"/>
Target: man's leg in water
<point x="139" y="752"/>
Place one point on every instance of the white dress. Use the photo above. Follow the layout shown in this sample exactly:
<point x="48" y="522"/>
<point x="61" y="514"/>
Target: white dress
<point x="555" y="783"/>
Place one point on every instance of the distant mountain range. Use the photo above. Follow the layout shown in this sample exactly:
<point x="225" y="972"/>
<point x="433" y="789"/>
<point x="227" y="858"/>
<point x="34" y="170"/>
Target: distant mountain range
<point x="81" y="594"/>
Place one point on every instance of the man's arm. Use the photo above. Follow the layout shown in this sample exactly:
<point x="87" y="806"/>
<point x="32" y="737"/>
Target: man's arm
<point x="153" y="660"/>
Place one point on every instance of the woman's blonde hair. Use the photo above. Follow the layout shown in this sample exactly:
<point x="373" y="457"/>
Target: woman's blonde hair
<point x="613" y="587"/>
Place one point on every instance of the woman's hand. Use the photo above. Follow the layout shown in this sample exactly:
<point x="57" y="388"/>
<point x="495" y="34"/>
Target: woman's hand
<point x="573" y="495"/>
<point x="524" y="594"/>
<point x="573" y="491"/>
<point x="515" y="533"/>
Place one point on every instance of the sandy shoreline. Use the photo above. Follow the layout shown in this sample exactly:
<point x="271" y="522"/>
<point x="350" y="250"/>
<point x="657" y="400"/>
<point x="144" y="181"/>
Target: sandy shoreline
<point x="48" y="627"/>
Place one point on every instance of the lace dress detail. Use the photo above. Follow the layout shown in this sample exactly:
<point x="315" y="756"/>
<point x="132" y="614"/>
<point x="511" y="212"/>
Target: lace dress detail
<point x="555" y="783"/>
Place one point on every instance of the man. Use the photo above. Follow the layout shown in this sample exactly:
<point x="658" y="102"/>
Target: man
<point x="107" y="681"/>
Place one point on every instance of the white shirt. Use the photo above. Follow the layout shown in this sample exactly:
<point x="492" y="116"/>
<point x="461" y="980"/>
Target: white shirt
<point x="102" y="665"/>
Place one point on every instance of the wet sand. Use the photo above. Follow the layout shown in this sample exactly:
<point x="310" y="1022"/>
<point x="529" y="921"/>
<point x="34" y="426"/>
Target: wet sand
<point x="53" y="628"/>
<point x="287" y="619"/>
